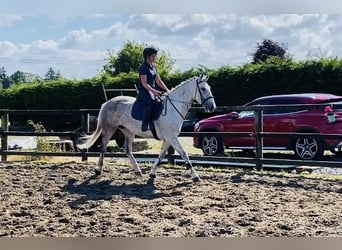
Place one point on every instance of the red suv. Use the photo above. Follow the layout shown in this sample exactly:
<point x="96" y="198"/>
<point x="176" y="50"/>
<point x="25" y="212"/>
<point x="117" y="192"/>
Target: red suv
<point x="278" y="120"/>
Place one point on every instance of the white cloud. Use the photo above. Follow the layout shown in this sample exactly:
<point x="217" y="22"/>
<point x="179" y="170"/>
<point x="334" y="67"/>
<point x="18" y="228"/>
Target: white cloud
<point x="7" y="48"/>
<point x="270" y="23"/>
<point x="82" y="42"/>
<point x="9" y="20"/>
<point x="117" y="31"/>
<point x="44" y="46"/>
<point x="75" y="38"/>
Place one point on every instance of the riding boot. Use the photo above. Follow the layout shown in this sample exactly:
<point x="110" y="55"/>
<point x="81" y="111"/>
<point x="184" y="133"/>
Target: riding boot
<point x="146" y="117"/>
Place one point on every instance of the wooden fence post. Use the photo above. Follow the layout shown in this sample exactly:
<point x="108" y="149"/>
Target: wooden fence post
<point x="259" y="140"/>
<point x="4" y="137"/>
<point x="85" y="122"/>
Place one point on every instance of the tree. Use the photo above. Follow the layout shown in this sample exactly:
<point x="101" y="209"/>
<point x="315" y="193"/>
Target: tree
<point x="18" y="77"/>
<point x="24" y="77"/>
<point x="29" y="77"/>
<point x="127" y="59"/>
<point x="130" y="57"/>
<point x="52" y="75"/>
<point x="4" y="79"/>
<point x="268" y="48"/>
<point x="2" y="73"/>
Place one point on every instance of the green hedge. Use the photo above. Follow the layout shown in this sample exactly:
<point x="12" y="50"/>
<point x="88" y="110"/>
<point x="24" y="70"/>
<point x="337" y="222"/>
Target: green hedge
<point x="236" y="86"/>
<point x="230" y="85"/>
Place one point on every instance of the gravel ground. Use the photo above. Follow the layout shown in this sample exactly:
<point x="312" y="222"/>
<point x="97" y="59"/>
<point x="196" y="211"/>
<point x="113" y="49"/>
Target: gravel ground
<point x="66" y="199"/>
<point x="62" y="197"/>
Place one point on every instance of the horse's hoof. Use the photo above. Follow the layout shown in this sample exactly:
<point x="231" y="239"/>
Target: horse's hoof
<point x="150" y="181"/>
<point x="139" y="174"/>
<point x="196" y="179"/>
<point x="97" y="172"/>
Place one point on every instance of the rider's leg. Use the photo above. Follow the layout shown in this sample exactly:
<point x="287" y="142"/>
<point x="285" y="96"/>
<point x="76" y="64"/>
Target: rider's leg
<point x="148" y="110"/>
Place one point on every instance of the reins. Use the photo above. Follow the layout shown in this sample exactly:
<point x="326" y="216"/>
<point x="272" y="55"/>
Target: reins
<point x="171" y="101"/>
<point x="188" y="103"/>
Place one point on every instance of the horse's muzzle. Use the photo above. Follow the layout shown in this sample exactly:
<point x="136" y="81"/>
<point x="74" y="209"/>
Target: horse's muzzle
<point x="210" y="107"/>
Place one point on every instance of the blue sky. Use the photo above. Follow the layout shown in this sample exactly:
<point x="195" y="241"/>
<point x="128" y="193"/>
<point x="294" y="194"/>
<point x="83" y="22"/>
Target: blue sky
<point x="76" y="41"/>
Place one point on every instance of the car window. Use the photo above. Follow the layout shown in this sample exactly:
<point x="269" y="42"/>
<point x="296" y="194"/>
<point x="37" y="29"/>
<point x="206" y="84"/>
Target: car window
<point x="282" y="110"/>
<point x="277" y="103"/>
<point x="248" y="113"/>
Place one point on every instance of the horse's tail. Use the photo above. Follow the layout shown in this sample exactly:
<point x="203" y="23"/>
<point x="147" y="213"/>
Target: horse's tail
<point x="92" y="139"/>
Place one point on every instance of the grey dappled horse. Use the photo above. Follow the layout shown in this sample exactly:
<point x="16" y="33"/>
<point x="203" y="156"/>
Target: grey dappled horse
<point x="116" y="113"/>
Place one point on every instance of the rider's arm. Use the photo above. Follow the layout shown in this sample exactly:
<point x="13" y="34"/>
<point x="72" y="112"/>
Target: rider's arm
<point x="161" y="84"/>
<point x="143" y="80"/>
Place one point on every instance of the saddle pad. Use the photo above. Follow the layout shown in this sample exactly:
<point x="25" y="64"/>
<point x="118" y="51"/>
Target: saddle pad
<point x="138" y="110"/>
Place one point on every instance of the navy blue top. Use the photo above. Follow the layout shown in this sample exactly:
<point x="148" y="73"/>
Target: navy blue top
<point x="150" y="72"/>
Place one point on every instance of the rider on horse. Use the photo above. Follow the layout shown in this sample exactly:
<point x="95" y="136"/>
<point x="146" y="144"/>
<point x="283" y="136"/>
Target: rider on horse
<point x="150" y="85"/>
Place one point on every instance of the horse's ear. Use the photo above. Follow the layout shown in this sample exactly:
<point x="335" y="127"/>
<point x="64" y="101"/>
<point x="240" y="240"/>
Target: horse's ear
<point x="205" y="78"/>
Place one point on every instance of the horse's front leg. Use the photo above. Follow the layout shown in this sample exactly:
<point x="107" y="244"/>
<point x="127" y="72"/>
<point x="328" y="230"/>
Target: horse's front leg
<point x="178" y="147"/>
<point x="153" y="173"/>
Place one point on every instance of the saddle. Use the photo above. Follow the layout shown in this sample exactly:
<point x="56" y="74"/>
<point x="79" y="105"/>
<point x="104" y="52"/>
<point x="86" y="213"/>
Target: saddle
<point x="138" y="112"/>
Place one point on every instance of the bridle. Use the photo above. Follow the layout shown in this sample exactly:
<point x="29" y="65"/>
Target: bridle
<point x="199" y="80"/>
<point x="199" y="90"/>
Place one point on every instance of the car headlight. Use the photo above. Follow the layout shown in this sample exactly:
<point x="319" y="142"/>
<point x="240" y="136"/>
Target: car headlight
<point x="196" y="126"/>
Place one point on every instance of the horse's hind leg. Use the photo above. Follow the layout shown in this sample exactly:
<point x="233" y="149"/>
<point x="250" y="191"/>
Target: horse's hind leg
<point x="106" y="135"/>
<point x="178" y="147"/>
<point x="129" y="137"/>
<point x="165" y="146"/>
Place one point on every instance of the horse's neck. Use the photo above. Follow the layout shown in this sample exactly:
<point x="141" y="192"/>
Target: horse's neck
<point x="182" y="98"/>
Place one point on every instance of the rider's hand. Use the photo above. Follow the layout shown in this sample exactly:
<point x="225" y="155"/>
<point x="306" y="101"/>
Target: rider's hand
<point x="157" y="93"/>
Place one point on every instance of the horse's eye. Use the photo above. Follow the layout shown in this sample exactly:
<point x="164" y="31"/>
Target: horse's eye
<point x="203" y="88"/>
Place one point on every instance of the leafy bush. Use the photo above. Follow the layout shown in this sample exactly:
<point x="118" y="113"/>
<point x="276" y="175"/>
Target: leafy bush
<point x="43" y="144"/>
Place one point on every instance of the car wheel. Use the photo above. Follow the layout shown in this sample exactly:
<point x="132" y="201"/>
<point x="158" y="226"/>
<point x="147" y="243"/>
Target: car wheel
<point x="212" y="145"/>
<point x="308" y="148"/>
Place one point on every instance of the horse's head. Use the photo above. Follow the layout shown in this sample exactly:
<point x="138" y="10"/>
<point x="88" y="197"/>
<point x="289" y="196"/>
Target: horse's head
<point x="203" y="94"/>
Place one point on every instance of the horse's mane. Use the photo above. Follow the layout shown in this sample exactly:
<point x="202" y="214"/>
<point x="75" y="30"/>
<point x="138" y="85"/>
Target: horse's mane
<point x="183" y="83"/>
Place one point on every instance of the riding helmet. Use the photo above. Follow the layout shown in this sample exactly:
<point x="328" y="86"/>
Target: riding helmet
<point x="149" y="51"/>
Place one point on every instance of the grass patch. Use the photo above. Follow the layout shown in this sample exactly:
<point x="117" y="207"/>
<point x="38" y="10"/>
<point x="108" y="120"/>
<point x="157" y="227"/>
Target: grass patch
<point x="43" y="144"/>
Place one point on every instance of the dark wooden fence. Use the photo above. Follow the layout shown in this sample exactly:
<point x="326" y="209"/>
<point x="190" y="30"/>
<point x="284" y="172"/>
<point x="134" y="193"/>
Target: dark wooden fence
<point x="258" y="161"/>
